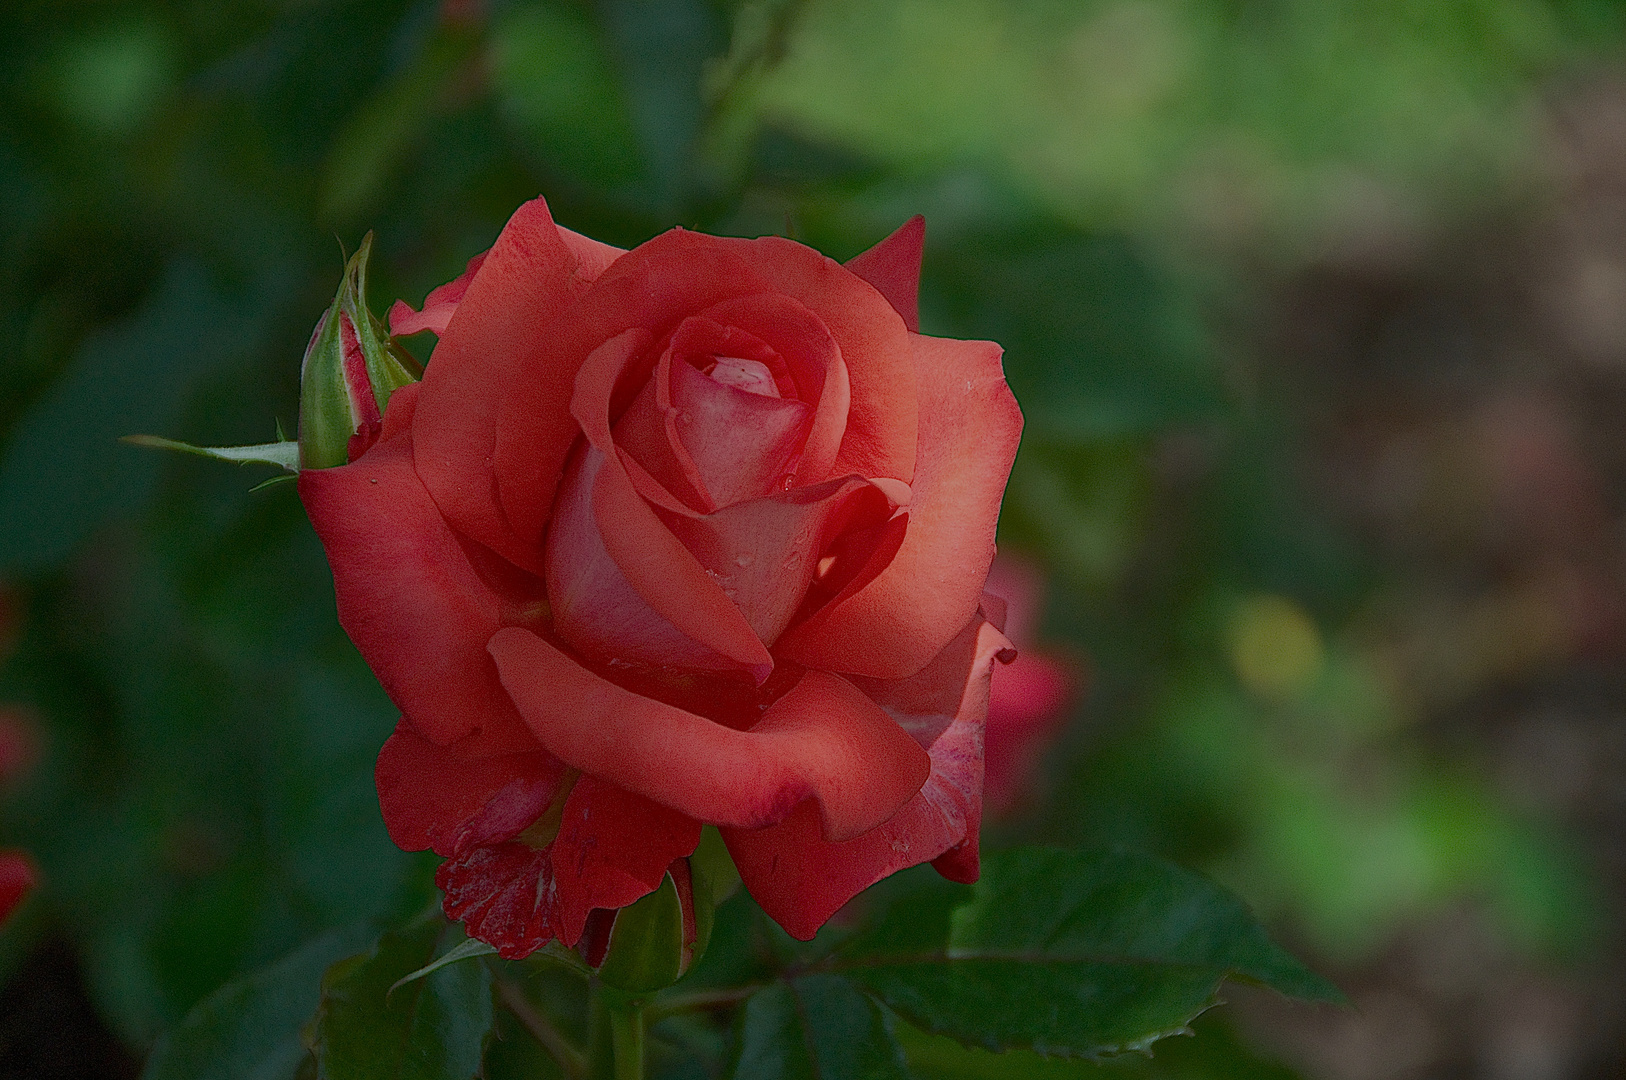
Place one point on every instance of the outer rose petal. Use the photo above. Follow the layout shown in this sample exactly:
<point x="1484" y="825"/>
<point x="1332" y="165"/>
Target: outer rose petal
<point x="613" y="847"/>
<point x="413" y="597"/>
<point x="969" y="428"/>
<point x="823" y="741"/>
<point x="17" y="879"/>
<point x="437" y="306"/>
<point x="801" y="879"/>
<point x="440" y="797"/>
<point x="893" y="267"/>
<point x="491" y="346"/>
<point x="594" y="258"/>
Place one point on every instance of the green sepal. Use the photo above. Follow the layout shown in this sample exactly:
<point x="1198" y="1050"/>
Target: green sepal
<point x="463" y="951"/>
<point x="657" y="939"/>
<point x="284" y="455"/>
<point x="646" y="944"/>
<point x="331" y="409"/>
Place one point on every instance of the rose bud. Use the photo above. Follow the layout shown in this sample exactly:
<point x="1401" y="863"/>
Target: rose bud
<point x="693" y="534"/>
<point x="351" y="368"/>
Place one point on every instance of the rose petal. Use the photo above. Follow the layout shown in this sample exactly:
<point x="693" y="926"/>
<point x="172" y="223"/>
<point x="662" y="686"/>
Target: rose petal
<point x="493" y="344"/>
<point x="969" y="429"/>
<point x="765" y="552"/>
<point x="668" y="577"/>
<point x="598" y="611"/>
<point x="418" y="602"/>
<point x="443" y="798"/>
<point x="593" y="257"/>
<point x="650" y="289"/>
<point x="881" y="421"/>
<point x="801" y="878"/>
<point x="822" y="740"/>
<point x="437" y="306"/>
<point x="893" y="267"/>
<point x="800" y="340"/>
<point x="742" y="444"/>
<point x="613" y="847"/>
<point x="498" y="893"/>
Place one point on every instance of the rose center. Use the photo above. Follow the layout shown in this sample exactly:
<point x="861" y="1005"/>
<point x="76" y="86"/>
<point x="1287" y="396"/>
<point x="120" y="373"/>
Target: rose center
<point x="749" y="375"/>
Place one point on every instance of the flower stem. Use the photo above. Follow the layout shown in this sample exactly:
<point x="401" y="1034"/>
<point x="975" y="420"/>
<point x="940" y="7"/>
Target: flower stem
<point x="627" y="1039"/>
<point x="617" y="1023"/>
<point x="572" y="1062"/>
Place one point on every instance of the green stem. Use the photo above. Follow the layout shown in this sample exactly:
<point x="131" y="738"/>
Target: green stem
<point x="627" y="1039"/>
<point x="616" y="1021"/>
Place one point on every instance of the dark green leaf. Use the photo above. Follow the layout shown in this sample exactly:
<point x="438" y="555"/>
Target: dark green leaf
<point x="819" y="1027"/>
<point x="434" y="1028"/>
<point x="1070" y="953"/>
<point x="249" y="1028"/>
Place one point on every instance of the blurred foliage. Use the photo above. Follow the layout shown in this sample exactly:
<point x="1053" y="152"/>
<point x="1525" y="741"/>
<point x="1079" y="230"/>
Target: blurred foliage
<point x="1103" y="181"/>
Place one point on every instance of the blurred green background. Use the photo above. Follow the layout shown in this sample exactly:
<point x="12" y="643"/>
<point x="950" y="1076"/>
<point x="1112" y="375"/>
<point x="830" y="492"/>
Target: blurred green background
<point x="1316" y="309"/>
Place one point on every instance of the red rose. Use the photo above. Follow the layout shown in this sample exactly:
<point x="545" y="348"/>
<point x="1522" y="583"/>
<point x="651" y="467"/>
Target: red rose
<point x="694" y="533"/>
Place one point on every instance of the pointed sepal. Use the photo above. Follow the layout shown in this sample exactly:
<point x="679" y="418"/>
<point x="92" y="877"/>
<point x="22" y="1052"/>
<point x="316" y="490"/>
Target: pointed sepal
<point x="653" y="942"/>
<point x="351" y="368"/>
<point x="283" y="454"/>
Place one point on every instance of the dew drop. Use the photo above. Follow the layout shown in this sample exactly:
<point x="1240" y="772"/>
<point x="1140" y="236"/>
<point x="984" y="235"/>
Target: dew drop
<point x="744" y="560"/>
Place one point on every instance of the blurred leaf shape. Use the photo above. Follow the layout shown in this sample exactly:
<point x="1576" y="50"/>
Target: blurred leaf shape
<point x="110" y="78"/>
<point x="434" y="1028"/>
<point x="1165" y="115"/>
<point x="377" y="138"/>
<point x="62" y="474"/>
<point x="249" y="1029"/>
<point x="559" y="92"/>
<point x="818" y="1027"/>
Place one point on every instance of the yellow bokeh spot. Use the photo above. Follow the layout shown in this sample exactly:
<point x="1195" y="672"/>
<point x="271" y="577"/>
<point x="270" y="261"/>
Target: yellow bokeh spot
<point x="1275" y="647"/>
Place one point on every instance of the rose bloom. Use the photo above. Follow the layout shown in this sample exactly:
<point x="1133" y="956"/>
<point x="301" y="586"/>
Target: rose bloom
<point x="690" y="534"/>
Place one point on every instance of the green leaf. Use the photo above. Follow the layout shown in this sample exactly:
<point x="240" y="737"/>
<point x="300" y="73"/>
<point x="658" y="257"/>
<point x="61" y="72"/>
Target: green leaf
<point x="284" y="455"/>
<point x="433" y="1028"/>
<point x="1084" y="954"/>
<point x="818" y="1027"/>
<point x="249" y="1029"/>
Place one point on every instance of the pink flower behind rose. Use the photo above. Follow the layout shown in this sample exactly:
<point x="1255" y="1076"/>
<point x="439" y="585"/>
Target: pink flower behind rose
<point x="1029" y="698"/>
<point x="17" y="879"/>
